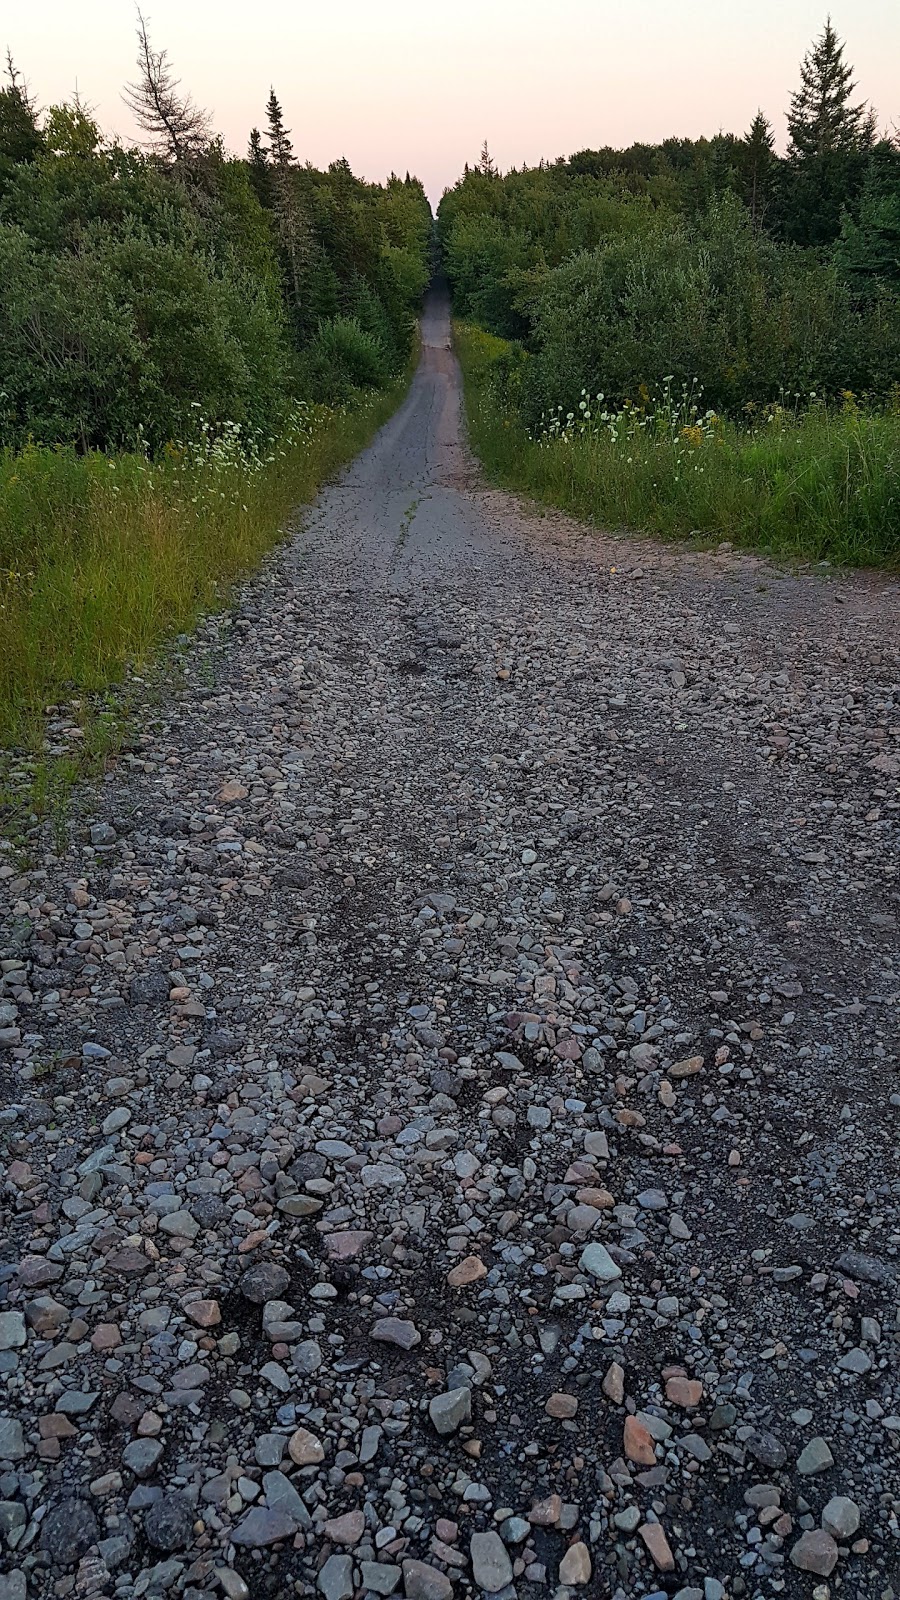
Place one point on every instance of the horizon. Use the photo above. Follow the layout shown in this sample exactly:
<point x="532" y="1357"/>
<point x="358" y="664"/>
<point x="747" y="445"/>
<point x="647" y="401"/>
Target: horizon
<point x="368" y="90"/>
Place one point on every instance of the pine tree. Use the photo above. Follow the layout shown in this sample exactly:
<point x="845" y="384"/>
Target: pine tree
<point x="280" y="148"/>
<point x="760" y="162"/>
<point x="822" y="120"/>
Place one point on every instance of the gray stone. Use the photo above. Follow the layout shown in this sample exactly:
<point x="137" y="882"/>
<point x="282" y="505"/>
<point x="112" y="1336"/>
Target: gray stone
<point x="262" y="1527"/>
<point x="841" y="1518"/>
<point x="449" y="1411"/>
<point x="491" y="1566"/>
<point x="765" y="1448"/>
<point x="855" y="1361"/>
<point x="141" y="1456"/>
<point x="815" y="1457"/>
<point x="424" y="1582"/>
<point x="281" y="1495"/>
<point x="869" y="1269"/>
<point x="335" y="1581"/>
<point x="270" y="1449"/>
<point x="306" y="1358"/>
<point x="380" y="1577"/>
<point x="266" y="1281"/>
<point x="394" y="1330"/>
<point x="12" y="1439"/>
<point x="13" y="1585"/>
<point x="596" y="1260"/>
<point x="12" y="1330"/>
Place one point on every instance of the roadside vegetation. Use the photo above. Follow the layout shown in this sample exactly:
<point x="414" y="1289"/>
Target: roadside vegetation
<point x="189" y="343"/>
<point x="700" y="337"/>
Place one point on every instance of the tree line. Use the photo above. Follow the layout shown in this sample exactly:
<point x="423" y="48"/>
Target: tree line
<point x="712" y="261"/>
<point x="148" y="288"/>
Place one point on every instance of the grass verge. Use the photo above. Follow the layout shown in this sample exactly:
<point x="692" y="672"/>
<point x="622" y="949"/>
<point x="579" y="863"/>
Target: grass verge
<point x="822" y="485"/>
<point x="104" y="559"/>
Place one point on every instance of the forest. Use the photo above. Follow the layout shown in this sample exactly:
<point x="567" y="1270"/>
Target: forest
<point x="701" y="336"/>
<point x="189" y="341"/>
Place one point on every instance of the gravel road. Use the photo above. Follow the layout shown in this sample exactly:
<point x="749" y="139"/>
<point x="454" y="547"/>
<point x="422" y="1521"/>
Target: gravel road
<point x="450" y="1079"/>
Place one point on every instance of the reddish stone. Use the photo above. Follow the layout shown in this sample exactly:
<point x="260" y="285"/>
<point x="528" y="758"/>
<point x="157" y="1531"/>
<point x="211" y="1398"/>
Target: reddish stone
<point x="639" y="1446"/>
<point x="654" y="1537"/>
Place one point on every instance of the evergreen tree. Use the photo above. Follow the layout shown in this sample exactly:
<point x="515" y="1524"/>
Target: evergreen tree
<point x="486" y="162"/>
<point x="822" y="119"/>
<point x="759" y="164"/>
<point x="830" y="140"/>
<point x="177" y="129"/>
<point x="260" y="175"/>
<point x="280" y="147"/>
<point x="20" y="140"/>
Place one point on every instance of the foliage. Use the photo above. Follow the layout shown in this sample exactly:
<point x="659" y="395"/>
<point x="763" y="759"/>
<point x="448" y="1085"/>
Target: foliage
<point x="823" y="482"/>
<point x="717" y="303"/>
<point x="343" y="357"/>
<point x="142" y="288"/>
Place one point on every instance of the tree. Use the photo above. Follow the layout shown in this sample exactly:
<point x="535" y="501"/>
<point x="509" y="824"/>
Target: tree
<point x="20" y="140"/>
<point x="486" y="162"/>
<point x="177" y="128"/>
<point x="280" y="148"/>
<point x="760" y="162"/>
<point x="260" y="173"/>
<point x="822" y="120"/>
<point x="830" y="140"/>
<point x="868" y="251"/>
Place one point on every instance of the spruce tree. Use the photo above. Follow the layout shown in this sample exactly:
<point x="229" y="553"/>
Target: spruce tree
<point x="822" y="119"/>
<point x="830" y="140"/>
<point x="280" y="148"/>
<point x="760" y="163"/>
<point x="260" y="172"/>
<point x="20" y="140"/>
<point x="486" y="162"/>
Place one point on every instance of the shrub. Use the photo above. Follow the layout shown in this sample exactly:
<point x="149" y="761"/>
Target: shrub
<point x="344" y="357"/>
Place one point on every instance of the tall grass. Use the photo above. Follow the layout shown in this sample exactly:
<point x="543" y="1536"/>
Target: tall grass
<point x="822" y="484"/>
<point x="104" y="557"/>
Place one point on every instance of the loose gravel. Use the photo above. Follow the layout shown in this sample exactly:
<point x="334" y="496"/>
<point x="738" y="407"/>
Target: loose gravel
<point x="450" y="1089"/>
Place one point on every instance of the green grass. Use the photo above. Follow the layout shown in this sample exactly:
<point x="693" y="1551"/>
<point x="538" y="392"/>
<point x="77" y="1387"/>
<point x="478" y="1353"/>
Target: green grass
<point x="103" y="560"/>
<point x="822" y="485"/>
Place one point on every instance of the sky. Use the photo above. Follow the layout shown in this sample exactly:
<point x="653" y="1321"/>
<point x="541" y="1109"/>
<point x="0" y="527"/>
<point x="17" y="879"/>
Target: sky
<point x="396" y="85"/>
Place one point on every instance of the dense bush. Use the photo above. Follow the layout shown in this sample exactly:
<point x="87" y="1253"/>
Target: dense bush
<point x="344" y="356"/>
<point x="716" y="305"/>
<point x="142" y="293"/>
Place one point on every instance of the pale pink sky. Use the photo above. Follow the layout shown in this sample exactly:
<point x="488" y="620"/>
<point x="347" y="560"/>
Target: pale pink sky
<point x="393" y="85"/>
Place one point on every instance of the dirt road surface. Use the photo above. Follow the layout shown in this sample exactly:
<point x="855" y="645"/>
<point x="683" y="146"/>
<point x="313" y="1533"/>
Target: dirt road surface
<point x="450" y="1085"/>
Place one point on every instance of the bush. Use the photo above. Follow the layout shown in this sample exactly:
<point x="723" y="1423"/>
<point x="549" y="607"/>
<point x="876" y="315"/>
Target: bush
<point x="824" y="482"/>
<point x="719" y="306"/>
<point x="344" y="357"/>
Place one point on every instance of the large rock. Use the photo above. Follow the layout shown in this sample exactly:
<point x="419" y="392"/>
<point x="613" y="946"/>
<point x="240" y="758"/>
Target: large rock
<point x="169" y="1522"/>
<point x="261" y="1527"/>
<point x="266" y="1281"/>
<point x="68" y="1531"/>
<point x="423" y="1582"/>
<point x="815" y="1552"/>
<point x="491" y="1566"/>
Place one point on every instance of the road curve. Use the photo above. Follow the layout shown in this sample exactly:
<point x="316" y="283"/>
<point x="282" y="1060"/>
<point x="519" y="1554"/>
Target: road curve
<point x="451" y="1079"/>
